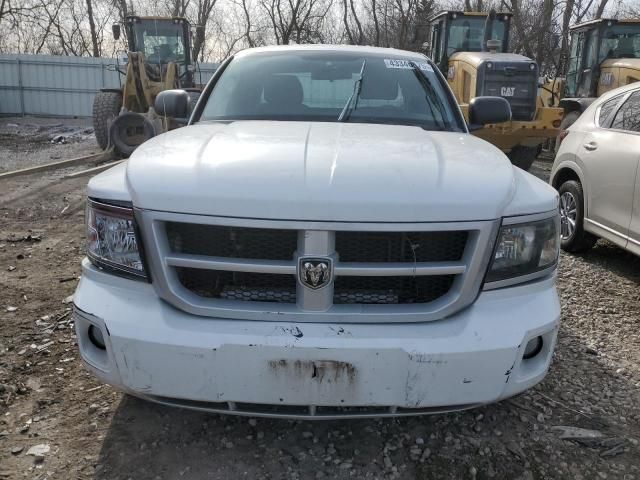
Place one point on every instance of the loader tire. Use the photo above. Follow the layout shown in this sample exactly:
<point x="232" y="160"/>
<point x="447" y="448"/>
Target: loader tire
<point x="129" y="131"/>
<point x="523" y="157"/>
<point x="106" y="106"/>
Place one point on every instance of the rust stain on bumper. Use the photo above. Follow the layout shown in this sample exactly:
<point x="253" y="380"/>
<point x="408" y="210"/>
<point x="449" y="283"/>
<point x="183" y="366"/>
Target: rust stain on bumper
<point x="327" y="371"/>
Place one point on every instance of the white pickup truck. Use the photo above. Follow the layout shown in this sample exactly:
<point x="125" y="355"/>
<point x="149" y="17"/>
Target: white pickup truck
<point x="324" y="239"/>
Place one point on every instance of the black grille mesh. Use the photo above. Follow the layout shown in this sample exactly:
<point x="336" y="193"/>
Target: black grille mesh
<point x="267" y="287"/>
<point x="274" y="244"/>
<point x="233" y="242"/>
<point x="400" y="246"/>
<point x="256" y="287"/>
<point x="372" y="290"/>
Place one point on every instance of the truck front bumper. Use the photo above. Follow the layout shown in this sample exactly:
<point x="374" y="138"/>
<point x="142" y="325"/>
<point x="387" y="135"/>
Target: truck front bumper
<point x="312" y="370"/>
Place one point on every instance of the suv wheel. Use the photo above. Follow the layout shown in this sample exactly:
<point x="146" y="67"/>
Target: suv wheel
<point x="573" y="238"/>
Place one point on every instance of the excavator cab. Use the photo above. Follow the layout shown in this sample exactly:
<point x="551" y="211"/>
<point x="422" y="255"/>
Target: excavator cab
<point x="471" y="50"/>
<point x="162" y="41"/>
<point x="158" y="58"/>
<point x="453" y="31"/>
<point x="603" y="55"/>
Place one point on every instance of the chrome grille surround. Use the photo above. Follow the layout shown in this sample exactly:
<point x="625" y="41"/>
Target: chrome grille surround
<point x="316" y="239"/>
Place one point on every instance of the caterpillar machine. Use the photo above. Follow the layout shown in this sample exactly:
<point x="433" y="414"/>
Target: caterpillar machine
<point x="604" y="54"/>
<point x="158" y="59"/>
<point x="470" y="50"/>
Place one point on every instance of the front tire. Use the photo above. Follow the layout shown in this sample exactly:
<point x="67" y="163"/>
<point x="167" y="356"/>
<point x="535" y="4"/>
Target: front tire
<point x="523" y="157"/>
<point x="106" y="107"/>
<point x="573" y="237"/>
<point x="129" y="131"/>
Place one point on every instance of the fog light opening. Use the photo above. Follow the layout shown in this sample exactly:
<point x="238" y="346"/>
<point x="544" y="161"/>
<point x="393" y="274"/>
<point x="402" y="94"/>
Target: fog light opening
<point x="95" y="335"/>
<point x="533" y="348"/>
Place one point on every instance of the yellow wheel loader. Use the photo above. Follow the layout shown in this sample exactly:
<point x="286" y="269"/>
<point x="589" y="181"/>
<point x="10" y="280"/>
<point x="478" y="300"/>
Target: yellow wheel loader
<point x="604" y="54"/>
<point x="158" y="59"/>
<point x="470" y="50"/>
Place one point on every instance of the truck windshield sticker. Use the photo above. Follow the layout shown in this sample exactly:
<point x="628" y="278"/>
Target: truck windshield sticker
<point x="406" y="64"/>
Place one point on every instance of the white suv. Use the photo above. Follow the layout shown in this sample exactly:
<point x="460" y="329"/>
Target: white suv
<point x="596" y="172"/>
<point x="325" y="238"/>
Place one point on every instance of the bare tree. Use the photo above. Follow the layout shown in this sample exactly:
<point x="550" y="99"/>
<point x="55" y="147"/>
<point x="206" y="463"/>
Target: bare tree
<point x="92" y="27"/>
<point x="295" y="20"/>
<point x="349" y="9"/>
<point x="203" y="12"/>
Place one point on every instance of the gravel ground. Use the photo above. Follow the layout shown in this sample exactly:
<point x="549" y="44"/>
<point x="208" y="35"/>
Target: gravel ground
<point x="30" y="141"/>
<point x="56" y="421"/>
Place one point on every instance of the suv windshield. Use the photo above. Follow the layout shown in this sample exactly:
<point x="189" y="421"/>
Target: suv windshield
<point x="318" y="85"/>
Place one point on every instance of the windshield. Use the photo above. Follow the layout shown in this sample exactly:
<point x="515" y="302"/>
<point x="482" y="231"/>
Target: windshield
<point x="318" y="85"/>
<point x="620" y="41"/>
<point x="160" y="41"/>
<point x="467" y="33"/>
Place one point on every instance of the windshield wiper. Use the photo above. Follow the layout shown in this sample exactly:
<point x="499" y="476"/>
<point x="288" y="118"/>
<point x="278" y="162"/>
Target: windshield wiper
<point x="352" y="103"/>
<point x="431" y="96"/>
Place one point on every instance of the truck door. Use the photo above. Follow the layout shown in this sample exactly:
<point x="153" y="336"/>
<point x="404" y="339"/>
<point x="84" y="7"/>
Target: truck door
<point x="587" y="73"/>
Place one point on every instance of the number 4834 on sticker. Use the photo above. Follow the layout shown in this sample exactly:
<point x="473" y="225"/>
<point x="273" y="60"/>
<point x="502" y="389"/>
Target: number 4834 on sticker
<point x="407" y="64"/>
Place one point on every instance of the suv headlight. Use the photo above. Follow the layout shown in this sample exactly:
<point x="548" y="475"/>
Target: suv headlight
<point x="524" y="250"/>
<point x="111" y="239"/>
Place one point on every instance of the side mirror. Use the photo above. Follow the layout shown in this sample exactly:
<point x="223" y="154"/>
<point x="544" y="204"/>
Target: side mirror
<point x="115" y="29"/>
<point x="172" y="103"/>
<point x="484" y="110"/>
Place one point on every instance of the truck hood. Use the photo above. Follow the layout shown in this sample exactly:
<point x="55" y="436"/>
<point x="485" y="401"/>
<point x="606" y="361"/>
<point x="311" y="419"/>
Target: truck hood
<point x="318" y="171"/>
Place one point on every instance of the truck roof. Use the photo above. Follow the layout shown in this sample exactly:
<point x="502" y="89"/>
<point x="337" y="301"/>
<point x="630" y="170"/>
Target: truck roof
<point x="335" y="48"/>
<point x="467" y="14"/>
<point x="597" y="21"/>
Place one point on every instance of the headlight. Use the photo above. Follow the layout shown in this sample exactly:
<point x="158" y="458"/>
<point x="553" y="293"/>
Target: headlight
<point x="111" y="238"/>
<point x="524" y="249"/>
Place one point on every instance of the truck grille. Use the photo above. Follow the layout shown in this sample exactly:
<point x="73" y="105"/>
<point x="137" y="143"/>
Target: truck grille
<point x="248" y="269"/>
<point x="380" y="290"/>
<point x="231" y="242"/>
<point x="267" y="287"/>
<point x="242" y="286"/>
<point x="400" y="246"/>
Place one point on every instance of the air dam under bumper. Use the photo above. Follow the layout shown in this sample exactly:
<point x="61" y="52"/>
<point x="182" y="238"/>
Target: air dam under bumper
<point x="301" y="369"/>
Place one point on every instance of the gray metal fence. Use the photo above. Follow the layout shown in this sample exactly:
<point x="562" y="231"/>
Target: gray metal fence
<point x="59" y="86"/>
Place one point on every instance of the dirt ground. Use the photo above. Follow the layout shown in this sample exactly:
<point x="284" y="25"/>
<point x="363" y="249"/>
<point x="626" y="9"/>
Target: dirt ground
<point x="83" y="429"/>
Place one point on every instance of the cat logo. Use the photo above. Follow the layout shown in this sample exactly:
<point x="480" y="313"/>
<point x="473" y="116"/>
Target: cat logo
<point x="508" y="91"/>
<point x="606" y="79"/>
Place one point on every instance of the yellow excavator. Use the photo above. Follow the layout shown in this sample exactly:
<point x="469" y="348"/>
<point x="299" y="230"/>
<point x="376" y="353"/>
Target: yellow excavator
<point x="158" y="59"/>
<point x="470" y="48"/>
<point x="604" y="54"/>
